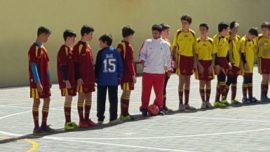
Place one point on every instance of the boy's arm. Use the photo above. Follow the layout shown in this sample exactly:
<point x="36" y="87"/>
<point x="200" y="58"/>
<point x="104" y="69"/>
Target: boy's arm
<point x="168" y="58"/>
<point x="35" y="72"/>
<point x="143" y="53"/>
<point x="120" y="67"/>
<point x="98" y="64"/>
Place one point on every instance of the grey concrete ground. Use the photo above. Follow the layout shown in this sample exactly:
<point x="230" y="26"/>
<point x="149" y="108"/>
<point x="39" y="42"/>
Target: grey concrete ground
<point x="234" y="129"/>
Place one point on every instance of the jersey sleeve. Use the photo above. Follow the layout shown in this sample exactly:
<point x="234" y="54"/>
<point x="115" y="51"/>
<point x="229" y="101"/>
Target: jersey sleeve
<point x="143" y="52"/>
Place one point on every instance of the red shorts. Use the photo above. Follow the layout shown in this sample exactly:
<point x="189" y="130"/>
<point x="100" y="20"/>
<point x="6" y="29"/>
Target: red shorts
<point x="265" y="66"/>
<point x="68" y="92"/>
<point x="186" y="65"/>
<point x="205" y="76"/>
<point x="234" y="71"/>
<point x="37" y="95"/>
<point x="127" y="86"/>
<point x="223" y="63"/>
<point x="86" y="88"/>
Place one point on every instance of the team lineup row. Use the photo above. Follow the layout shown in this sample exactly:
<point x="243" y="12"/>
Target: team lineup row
<point x="227" y="56"/>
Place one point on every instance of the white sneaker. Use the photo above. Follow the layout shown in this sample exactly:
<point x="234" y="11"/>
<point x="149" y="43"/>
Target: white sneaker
<point x="114" y="122"/>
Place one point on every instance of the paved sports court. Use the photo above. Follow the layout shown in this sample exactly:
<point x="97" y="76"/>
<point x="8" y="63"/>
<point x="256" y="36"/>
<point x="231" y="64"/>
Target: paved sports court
<point x="241" y="129"/>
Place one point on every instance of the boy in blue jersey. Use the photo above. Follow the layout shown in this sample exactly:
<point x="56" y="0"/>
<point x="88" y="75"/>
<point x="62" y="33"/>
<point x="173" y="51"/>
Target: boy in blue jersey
<point x="108" y="71"/>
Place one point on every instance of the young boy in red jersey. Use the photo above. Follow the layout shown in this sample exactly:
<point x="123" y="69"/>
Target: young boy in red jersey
<point x="39" y="78"/>
<point x="85" y="76"/>
<point x="165" y="37"/>
<point x="129" y="76"/>
<point x="66" y="75"/>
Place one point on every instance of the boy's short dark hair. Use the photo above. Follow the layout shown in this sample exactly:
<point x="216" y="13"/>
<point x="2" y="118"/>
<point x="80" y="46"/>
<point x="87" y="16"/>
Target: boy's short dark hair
<point x="157" y="27"/>
<point x="233" y="24"/>
<point x="265" y="25"/>
<point x="106" y="39"/>
<point x="68" y="33"/>
<point x="186" y="18"/>
<point x="165" y="26"/>
<point x="43" y="30"/>
<point x="127" y="31"/>
<point x="204" y="25"/>
<point x="253" y="31"/>
<point x="86" y="29"/>
<point x="222" y="26"/>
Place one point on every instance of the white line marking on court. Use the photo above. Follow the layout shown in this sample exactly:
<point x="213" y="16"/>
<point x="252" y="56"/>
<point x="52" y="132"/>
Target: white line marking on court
<point x="14" y="114"/>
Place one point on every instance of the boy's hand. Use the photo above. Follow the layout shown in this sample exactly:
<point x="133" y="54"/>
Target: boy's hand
<point x="210" y="69"/>
<point x="200" y="68"/>
<point x="39" y="87"/>
<point x="134" y="79"/>
<point x="246" y="67"/>
<point x="68" y="85"/>
<point x="169" y="73"/>
<point x="79" y="82"/>
<point x="217" y="69"/>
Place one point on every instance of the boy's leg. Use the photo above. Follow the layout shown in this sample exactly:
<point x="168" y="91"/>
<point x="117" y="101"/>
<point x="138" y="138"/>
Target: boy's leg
<point x="244" y="89"/>
<point x="227" y="87"/>
<point x="101" y="99"/>
<point x="87" y="105"/>
<point x="180" y="91"/>
<point x="202" y="90"/>
<point x="147" y="83"/>
<point x="264" y="88"/>
<point x="221" y="86"/>
<point x="35" y="113"/>
<point x="125" y="102"/>
<point x="45" y="112"/>
<point x="113" y="98"/>
<point x="81" y="98"/>
<point x="187" y="91"/>
<point x="164" y="91"/>
<point x="67" y="108"/>
<point x="208" y="90"/>
<point x="234" y="88"/>
<point x="158" y="83"/>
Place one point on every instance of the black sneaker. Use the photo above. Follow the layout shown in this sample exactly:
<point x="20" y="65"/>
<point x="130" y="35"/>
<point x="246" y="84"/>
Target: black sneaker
<point x="37" y="131"/>
<point x="245" y="101"/>
<point x="162" y="112"/>
<point x="47" y="129"/>
<point x="253" y="100"/>
<point x="144" y="112"/>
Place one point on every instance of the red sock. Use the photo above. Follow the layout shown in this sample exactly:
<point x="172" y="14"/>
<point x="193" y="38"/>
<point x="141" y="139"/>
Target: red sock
<point x="217" y="94"/>
<point x="87" y="111"/>
<point x="35" y="118"/>
<point x="44" y="117"/>
<point x="208" y="92"/>
<point x="250" y="91"/>
<point x="80" y="112"/>
<point x="124" y="106"/>
<point x="67" y="114"/>
<point x="180" y="94"/>
<point x="244" y="89"/>
<point x="202" y="93"/>
<point x="186" y="96"/>
<point x="264" y="90"/>
<point x="233" y="91"/>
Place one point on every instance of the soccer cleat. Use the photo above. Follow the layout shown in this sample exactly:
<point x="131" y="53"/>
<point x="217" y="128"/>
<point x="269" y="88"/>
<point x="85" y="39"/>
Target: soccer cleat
<point x="90" y="123"/>
<point x="265" y="99"/>
<point x="181" y="107"/>
<point x="188" y="107"/>
<point x="245" y="100"/>
<point x="253" y="100"/>
<point x="225" y="102"/>
<point x="70" y="126"/>
<point x="37" y="131"/>
<point x="208" y="105"/>
<point x="204" y="106"/>
<point x="100" y="123"/>
<point x="162" y="112"/>
<point x="219" y="104"/>
<point x="126" y="118"/>
<point x="114" y="122"/>
<point x="235" y="102"/>
<point x="144" y="112"/>
<point x="167" y="110"/>
<point x="47" y="129"/>
<point x="83" y="124"/>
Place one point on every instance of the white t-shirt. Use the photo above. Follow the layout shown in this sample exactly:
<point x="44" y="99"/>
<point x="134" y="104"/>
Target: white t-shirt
<point x="156" y="56"/>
